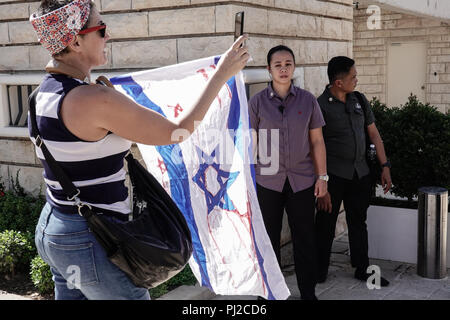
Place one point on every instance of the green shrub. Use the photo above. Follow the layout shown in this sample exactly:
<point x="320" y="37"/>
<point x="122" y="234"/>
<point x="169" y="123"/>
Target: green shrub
<point x="41" y="275"/>
<point x="20" y="213"/>
<point x="16" y="251"/>
<point x="416" y="138"/>
<point x="184" y="277"/>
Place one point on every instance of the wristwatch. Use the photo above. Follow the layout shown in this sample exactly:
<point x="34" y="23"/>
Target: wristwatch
<point x="386" y="164"/>
<point x="324" y="177"/>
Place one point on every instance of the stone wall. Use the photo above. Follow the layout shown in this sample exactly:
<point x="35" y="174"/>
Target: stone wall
<point x="149" y="33"/>
<point x="370" y="52"/>
<point x="154" y="33"/>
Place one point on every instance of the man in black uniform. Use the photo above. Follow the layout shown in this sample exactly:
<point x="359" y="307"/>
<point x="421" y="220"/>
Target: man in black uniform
<point x="349" y="180"/>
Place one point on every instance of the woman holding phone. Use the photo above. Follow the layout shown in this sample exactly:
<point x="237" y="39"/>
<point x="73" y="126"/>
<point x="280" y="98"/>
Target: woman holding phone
<point x="89" y="129"/>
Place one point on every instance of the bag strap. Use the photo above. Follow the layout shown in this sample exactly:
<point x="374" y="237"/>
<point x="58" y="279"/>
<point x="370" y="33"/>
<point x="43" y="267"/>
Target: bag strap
<point x="67" y="185"/>
<point x="361" y="102"/>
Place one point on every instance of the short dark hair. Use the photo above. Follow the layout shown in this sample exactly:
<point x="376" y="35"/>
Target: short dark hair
<point x="339" y="66"/>
<point x="276" y="49"/>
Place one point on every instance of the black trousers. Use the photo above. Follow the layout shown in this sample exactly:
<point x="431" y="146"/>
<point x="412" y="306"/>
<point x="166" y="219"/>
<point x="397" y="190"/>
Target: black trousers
<point x="356" y="196"/>
<point x="300" y="209"/>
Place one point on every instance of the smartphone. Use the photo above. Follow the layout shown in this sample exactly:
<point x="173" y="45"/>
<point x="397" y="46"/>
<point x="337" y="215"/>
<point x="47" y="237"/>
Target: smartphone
<point x="238" y="24"/>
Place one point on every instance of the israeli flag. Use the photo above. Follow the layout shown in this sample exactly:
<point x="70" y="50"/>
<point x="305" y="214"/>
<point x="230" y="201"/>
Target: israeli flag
<point x="210" y="177"/>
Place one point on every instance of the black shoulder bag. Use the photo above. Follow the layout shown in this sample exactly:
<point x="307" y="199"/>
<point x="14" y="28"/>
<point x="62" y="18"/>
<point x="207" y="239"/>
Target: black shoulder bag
<point x="151" y="248"/>
<point x="372" y="162"/>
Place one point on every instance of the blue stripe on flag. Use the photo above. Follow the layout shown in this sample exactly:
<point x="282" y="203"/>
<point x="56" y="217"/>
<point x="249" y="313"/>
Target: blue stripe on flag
<point x="179" y="186"/>
<point x="235" y="124"/>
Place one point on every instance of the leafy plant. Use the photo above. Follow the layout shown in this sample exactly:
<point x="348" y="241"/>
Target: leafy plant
<point x="416" y="138"/>
<point x="184" y="277"/>
<point x="16" y="251"/>
<point x="41" y="275"/>
<point x="20" y="213"/>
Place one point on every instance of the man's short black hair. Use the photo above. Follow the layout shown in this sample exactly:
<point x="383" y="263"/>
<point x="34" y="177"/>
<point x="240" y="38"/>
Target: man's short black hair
<point x="339" y="66"/>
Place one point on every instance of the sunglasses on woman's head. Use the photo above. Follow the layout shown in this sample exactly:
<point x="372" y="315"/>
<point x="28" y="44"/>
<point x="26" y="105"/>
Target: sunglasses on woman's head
<point x="100" y="28"/>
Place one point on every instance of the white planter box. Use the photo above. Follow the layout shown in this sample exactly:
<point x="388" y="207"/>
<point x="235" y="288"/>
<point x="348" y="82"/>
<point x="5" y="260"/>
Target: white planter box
<point x="393" y="234"/>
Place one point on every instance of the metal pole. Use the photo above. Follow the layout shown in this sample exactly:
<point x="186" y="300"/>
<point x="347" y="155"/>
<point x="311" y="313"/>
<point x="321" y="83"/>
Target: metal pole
<point x="432" y="233"/>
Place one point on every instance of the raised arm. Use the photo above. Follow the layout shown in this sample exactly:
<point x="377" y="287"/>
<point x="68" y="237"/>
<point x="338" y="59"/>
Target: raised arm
<point x="90" y="112"/>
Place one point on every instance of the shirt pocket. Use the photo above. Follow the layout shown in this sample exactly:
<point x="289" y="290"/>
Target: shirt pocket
<point x="337" y="124"/>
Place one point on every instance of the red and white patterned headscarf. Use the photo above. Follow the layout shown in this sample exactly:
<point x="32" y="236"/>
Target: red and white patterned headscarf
<point x="57" y="29"/>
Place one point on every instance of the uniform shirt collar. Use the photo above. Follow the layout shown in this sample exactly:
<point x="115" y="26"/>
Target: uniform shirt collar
<point x="271" y="93"/>
<point x="332" y="99"/>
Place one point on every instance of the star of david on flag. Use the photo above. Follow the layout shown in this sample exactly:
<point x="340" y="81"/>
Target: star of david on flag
<point x="211" y="179"/>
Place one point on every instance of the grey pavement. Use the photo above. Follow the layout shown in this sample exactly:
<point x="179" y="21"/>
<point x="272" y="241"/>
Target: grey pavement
<point x="405" y="284"/>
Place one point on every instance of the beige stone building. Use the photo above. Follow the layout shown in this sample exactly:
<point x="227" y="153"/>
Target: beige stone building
<point x="408" y="52"/>
<point x="154" y="33"/>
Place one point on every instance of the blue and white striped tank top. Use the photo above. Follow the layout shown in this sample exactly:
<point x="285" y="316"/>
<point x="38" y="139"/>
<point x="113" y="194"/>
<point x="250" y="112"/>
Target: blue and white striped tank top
<point x="96" y="168"/>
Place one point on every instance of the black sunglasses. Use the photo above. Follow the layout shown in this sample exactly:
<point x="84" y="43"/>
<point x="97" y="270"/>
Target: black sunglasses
<point x="100" y="28"/>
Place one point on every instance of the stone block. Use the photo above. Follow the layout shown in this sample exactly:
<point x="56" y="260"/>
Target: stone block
<point x="314" y="52"/>
<point x="370" y="88"/>
<point x="336" y="49"/>
<point x="316" y="79"/>
<point x="266" y="3"/>
<point x="30" y="178"/>
<point x="255" y="19"/>
<point x="282" y="23"/>
<point x="444" y="78"/>
<point x="258" y="48"/>
<point x="445" y="98"/>
<point x="288" y="4"/>
<point x="21" y="32"/>
<point x="437" y="67"/>
<point x="331" y="28"/>
<point x="347" y="30"/>
<point x="409" y="23"/>
<point x="366" y="34"/>
<point x="308" y="26"/>
<point x="4" y="175"/>
<point x="147" y="4"/>
<point x="368" y="79"/>
<point x="127" y="25"/>
<point x="16" y="151"/>
<point x="108" y="64"/>
<point x="438" y="31"/>
<point x="435" y="98"/>
<point x="445" y="58"/>
<point x="115" y="5"/>
<point x="14" y="11"/>
<point x="144" y="54"/>
<point x="4" y="35"/>
<point x="313" y="6"/>
<point x="350" y="49"/>
<point x="33" y="7"/>
<point x="338" y="10"/>
<point x="14" y="58"/>
<point x="196" y="48"/>
<point x="181" y="21"/>
<point x="39" y="57"/>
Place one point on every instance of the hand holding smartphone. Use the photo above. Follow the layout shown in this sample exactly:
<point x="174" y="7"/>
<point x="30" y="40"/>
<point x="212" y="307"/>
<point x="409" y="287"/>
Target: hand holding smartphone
<point x="239" y="28"/>
<point x="238" y="25"/>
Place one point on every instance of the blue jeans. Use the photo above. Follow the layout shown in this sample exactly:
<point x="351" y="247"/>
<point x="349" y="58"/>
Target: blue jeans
<point x="81" y="270"/>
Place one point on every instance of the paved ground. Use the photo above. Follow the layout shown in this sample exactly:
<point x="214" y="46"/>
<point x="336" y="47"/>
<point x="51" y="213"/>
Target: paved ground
<point x="405" y="284"/>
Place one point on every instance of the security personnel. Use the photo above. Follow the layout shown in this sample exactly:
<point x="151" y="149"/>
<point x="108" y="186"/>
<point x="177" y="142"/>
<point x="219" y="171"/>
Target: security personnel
<point x="349" y="179"/>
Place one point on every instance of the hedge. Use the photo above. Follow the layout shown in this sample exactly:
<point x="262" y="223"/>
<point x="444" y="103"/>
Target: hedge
<point x="416" y="137"/>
